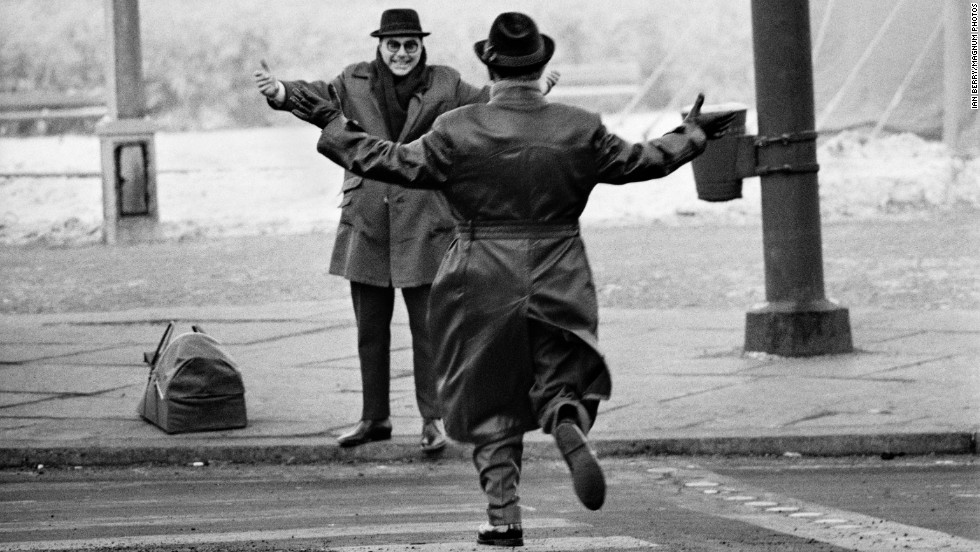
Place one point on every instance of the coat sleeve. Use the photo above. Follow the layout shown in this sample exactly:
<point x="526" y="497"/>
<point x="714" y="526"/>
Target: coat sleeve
<point x="467" y="94"/>
<point x="619" y="161"/>
<point x="424" y="163"/>
<point x="319" y="86"/>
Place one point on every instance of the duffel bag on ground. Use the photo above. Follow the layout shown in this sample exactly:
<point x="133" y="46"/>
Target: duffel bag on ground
<point x="194" y="385"/>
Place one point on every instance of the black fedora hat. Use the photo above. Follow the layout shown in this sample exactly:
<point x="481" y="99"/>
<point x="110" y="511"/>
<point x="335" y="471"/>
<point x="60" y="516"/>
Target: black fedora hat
<point x="400" y="22"/>
<point x="514" y="41"/>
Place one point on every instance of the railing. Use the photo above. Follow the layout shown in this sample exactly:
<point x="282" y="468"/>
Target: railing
<point x="41" y="107"/>
<point x="597" y="86"/>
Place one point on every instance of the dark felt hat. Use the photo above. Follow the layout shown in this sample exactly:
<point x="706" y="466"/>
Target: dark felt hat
<point x="400" y="22"/>
<point x="514" y="41"/>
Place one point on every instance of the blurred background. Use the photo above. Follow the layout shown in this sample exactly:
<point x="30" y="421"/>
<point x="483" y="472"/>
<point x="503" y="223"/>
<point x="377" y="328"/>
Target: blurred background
<point x="198" y="56"/>
<point x="892" y="139"/>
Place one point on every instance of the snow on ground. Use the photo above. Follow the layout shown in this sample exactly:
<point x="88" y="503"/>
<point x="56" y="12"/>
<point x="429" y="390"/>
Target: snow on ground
<point x="271" y="180"/>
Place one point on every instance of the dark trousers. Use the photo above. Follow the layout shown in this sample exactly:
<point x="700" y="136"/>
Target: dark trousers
<point x="557" y="356"/>
<point x="373" y="307"/>
<point x="499" y="465"/>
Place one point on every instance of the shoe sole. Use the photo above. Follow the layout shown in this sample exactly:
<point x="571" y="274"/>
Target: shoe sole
<point x="500" y="542"/>
<point x="366" y="440"/>
<point x="435" y="447"/>
<point x="587" y="477"/>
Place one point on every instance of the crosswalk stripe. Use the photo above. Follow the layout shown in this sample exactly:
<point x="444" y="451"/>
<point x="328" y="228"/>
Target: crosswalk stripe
<point x="221" y="516"/>
<point x="843" y="528"/>
<point x="276" y="534"/>
<point x="569" y="544"/>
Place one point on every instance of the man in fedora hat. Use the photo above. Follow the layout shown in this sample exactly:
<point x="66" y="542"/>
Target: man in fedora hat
<point x="513" y="305"/>
<point x="390" y="237"/>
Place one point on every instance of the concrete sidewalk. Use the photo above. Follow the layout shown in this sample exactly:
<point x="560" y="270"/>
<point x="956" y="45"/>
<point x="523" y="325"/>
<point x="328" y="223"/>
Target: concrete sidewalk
<point x="70" y="385"/>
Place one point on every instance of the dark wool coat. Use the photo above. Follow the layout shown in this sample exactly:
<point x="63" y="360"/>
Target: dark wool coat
<point x="390" y="235"/>
<point x="518" y="171"/>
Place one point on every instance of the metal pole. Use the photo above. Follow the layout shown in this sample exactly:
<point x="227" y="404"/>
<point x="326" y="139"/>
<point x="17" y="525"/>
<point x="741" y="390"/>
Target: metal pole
<point x="797" y="319"/>
<point x="125" y="77"/>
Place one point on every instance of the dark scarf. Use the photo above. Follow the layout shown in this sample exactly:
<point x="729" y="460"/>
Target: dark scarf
<point x="394" y="93"/>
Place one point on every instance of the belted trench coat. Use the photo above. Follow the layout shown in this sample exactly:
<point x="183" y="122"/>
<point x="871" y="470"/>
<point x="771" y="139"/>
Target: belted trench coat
<point x="518" y="172"/>
<point x="390" y="235"/>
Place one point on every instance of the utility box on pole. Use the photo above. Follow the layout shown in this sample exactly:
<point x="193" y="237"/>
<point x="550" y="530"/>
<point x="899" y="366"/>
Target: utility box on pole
<point x="129" y="191"/>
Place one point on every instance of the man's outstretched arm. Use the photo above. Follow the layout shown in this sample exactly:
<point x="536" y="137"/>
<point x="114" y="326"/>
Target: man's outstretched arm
<point x="424" y="163"/>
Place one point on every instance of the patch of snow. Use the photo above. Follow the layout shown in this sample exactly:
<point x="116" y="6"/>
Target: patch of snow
<point x="272" y="181"/>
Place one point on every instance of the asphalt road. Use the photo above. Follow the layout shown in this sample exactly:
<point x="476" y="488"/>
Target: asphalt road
<point x="941" y="493"/>
<point x="673" y="503"/>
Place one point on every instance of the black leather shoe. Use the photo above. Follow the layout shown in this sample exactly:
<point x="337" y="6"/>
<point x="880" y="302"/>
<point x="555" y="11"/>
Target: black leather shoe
<point x="587" y="478"/>
<point x="501" y="535"/>
<point x="433" y="436"/>
<point x="366" y="431"/>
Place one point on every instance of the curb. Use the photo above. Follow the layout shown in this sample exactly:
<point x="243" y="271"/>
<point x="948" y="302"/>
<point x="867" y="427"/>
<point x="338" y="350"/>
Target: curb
<point x="406" y="450"/>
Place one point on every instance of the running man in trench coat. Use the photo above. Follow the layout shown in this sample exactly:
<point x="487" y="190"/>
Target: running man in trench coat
<point x="389" y="236"/>
<point x="513" y="306"/>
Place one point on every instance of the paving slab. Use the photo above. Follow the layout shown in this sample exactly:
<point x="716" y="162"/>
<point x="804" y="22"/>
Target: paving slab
<point x="70" y="384"/>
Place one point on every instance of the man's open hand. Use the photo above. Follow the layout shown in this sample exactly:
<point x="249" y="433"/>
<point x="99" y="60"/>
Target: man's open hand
<point x="551" y="78"/>
<point x="714" y="125"/>
<point x="313" y="108"/>
<point x="265" y="81"/>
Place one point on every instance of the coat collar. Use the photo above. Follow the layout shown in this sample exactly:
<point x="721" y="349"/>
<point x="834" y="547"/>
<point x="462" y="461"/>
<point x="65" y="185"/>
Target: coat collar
<point x="366" y="71"/>
<point x="517" y="93"/>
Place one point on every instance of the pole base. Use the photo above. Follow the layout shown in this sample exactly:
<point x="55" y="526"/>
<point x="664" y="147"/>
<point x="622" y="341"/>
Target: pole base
<point x="794" y="330"/>
<point x="131" y="230"/>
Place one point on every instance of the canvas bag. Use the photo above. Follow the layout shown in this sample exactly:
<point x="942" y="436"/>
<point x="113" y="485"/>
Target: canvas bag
<point x="194" y="385"/>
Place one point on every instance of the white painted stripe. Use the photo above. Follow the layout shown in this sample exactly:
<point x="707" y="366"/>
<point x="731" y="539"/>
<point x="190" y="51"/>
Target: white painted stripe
<point x="842" y="528"/>
<point x="202" y="519"/>
<point x="277" y="534"/>
<point x="569" y="544"/>
<point x="863" y="533"/>
<point x="701" y="484"/>
<point x="783" y="509"/>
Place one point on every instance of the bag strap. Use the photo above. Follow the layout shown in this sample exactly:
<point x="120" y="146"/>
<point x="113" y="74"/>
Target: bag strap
<point x="151" y="359"/>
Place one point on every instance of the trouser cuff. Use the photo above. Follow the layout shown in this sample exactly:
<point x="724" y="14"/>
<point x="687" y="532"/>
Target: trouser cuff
<point x="549" y="416"/>
<point x="504" y="515"/>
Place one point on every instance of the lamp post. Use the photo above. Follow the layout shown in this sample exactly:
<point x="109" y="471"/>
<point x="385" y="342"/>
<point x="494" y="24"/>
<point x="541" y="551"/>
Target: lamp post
<point x="797" y="319"/>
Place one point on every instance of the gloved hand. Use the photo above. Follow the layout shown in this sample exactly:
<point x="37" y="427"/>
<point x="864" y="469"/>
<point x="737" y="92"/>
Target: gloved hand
<point x="265" y="81"/>
<point x="714" y="125"/>
<point x="314" y="109"/>
<point x="550" y="80"/>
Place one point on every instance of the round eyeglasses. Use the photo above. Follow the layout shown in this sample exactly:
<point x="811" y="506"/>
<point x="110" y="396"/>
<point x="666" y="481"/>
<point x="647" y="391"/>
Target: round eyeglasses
<point x="410" y="46"/>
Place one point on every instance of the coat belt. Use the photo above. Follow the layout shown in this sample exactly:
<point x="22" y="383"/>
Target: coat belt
<point x="514" y="230"/>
